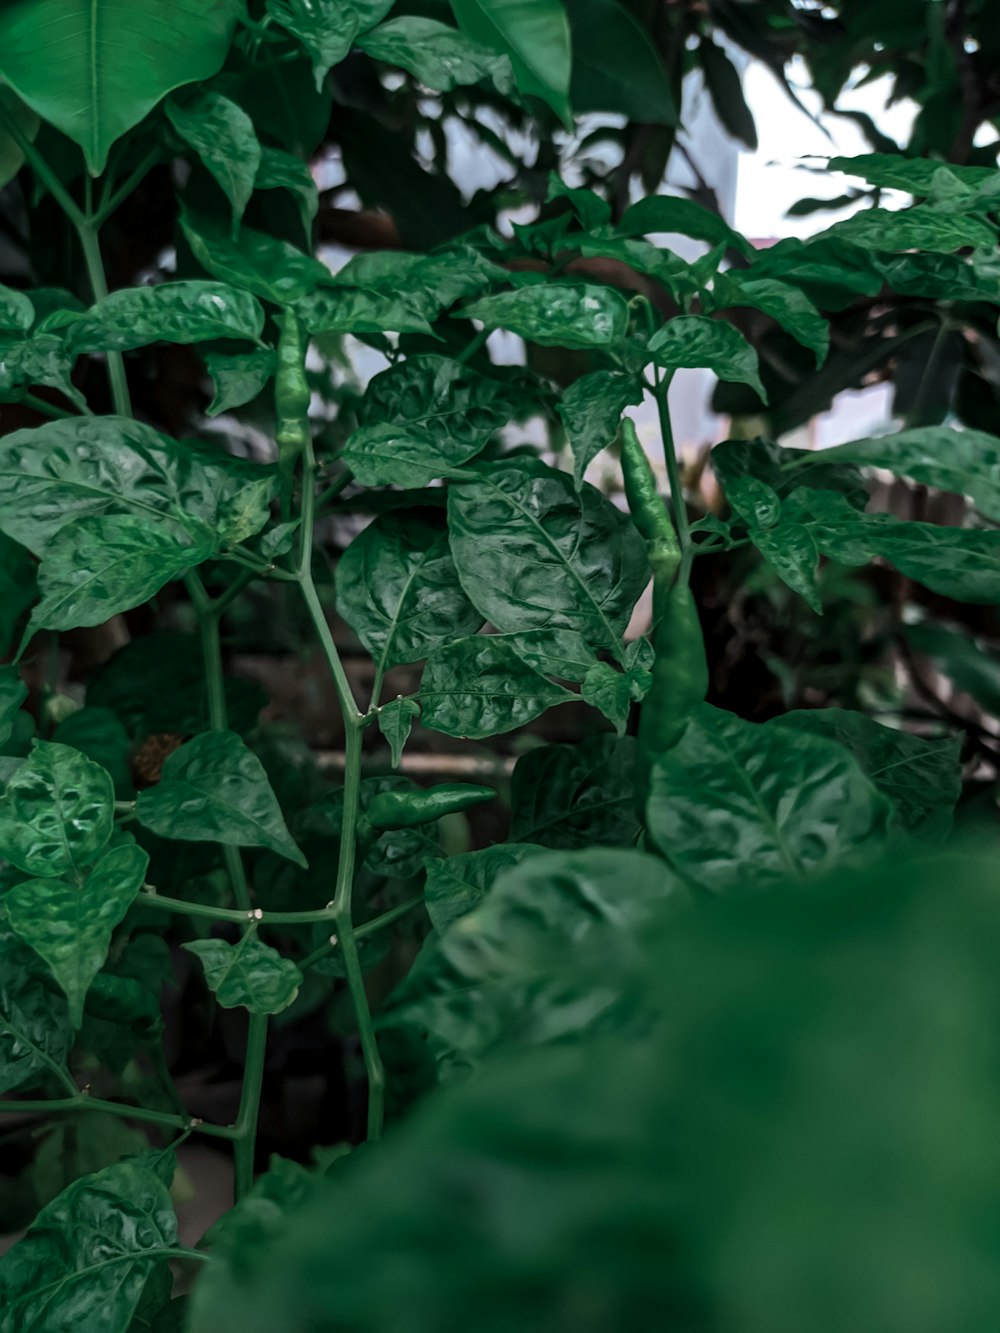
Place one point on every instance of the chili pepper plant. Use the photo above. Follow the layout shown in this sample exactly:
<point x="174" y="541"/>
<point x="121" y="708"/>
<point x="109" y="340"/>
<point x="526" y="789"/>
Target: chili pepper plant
<point x="488" y="566"/>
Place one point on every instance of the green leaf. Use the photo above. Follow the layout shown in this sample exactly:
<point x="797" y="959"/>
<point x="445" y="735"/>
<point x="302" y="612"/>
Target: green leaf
<point x="918" y="228"/>
<point x="725" y="87"/>
<point x="784" y="469"/>
<point x="78" y="1145"/>
<point x="279" y="170"/>
<point x="386" y="455"/>
<point x="914" y="175"/>
<point x="615" y="65"/>
<point x="429" y="283"/>
<point x="563" y="653"/>
<point x="535" y="34"/>
<point x="16" y="311"/>
<point x="238" y="377"/>
<point x="70" y="925"/>
<point x="457" y="884"/>
<point x="17" y="589"/>
<point x="785" y="304"/>
<point x="922" y="777"/>
<point x="833" y="271"/>
<point x="271" y="268"/>
<point x="395" y="722"/>
<point x="97" y="733"/>
<point x="214" y="789"/>
<point x="66" y="470"/>
<point x="35" y="1035"/>
<point x="11" y="154"/>
<point x="972" y="667"/>
<point x="480" y="686"/>
<point x="670" y="213"/>
<point x="964" y="461"/>
<point x="698" y="342"/>
<point x="88" y="1255"/>
<point x="399" y="590"/>
<point x="13" y="693"/>
<point x="609" y="691"/>
<point x="591" y="210"/>
<point x="354" y="310"/>
<point x="438" y="56"/>
<point x="533" y="552"/>
<point x="735" y="803"/>
<point x="576" y="795"/>
<point x="223" y="136"/>
<point x="556" y="314"/>
<point x="591" y="410"/>
<point x="487" y="980"/>
<point x="44" y="359"/>
<point x="327" y="28"/>
<point x="94" y="70"/>
<point x="180" y="312"/>
<point x="56" y="812"/>
<point x="248" y="975"/>
<point x="99" y="566"/>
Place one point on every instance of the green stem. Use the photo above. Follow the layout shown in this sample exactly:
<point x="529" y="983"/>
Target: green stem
<point x="339" y="483"/>
<point x="42" y="169"/>
<point x="82" y="1101"/>
<point x="314" y="917"/>
<point x="119" y="196"/>
<point x="87" y="231"/>
<point x="48" y="409"/>
<point x="472" y="346"/>
<point x="245" y="1137"/>
<point x="677" y="503"/>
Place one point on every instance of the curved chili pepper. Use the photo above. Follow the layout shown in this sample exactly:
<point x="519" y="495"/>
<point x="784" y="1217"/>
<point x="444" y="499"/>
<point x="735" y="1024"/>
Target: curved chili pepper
<point x="409" y="809"/>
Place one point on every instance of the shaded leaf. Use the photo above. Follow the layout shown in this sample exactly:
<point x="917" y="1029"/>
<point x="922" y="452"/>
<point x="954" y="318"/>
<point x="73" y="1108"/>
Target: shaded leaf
<point x="609" y="691"/>
<point x="725" y="87"/>
<point x="437" y="55"/>
<point x="384" y="455"/>
<point x="265" y="265"/>
<point x="279" y="170"/>
<point x="395" y="721"/>
<point x="238" y="377"/>
<point x="535" y="34"/>
<point x="971" y="666"/>
<point x="16" y="311"/>
<point x="671" y="213"/>
<point x="576" y="795"/>
<point x="785" y="304"/>
<point x="555" y="314"/>
<point x="13" y="693"/>
<point x="918" y="228"/>
<point x="591" y="410"/>
<point x="248" y="975"/>
<point x="35" y="1034"/>
<point x="223" y="136"/>
<point x="456" y="885"/>
<point x="480" y="686"/>
<point x="97" y="733"/>
<point x="615" y="65"/>
<point x="327" y="28"/>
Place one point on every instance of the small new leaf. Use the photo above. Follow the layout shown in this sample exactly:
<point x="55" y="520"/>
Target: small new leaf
<point x="248" y="975"/>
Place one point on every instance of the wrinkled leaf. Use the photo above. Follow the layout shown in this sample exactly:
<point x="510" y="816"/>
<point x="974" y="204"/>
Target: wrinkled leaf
<point x="395" y="722"/>
<point x="701" y="343"/>
<point x="327" y="28"/>
<point x="555" y="314"/>
<point x="13" y="693"/>
<point x="591" y="410"/>
<point x="265" y="265"/>
<point x="576" y="795"/>
<point x="223" y="136"/>
<point x="248" y="975"/>
<point x="238" y="377"/>
<point x="56" y="812"/>
<point x="457" y="884"/>
<point x="480" y="686"/>
<point x="438" y="56"/>
<point x="35" y="1034"/>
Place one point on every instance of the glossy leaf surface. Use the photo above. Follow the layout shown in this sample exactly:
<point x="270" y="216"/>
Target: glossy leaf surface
<point x="535" y="34"/>
<point x="182" y="312"/>
<point x="615" y="65"/>
<point x="238" y="377"/>
<point x="436" y="55"/>
<point x="480" y="686"/>
<point x="576" y="796"/>
<point x="591" y="410"/>
<point x="557" y="314"/>
<point x="327" y="28"/>
<point x="271" y="268"/>
<point x="13" y="693"/>
<point x="223" y="136"/>
<point x="697" y="342"/>
<point x="35" y="1034"/>
<point x="56" y="812"/>
<point x="395" y="722"/>
<point x="248" y="975"/>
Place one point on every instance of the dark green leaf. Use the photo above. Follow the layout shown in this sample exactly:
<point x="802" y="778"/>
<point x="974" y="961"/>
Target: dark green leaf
<point x="214" y="789"/>
<point x="831" y="270"/>
<point x="698" y="342"/>
<point x="25" y="120"/>
<point x="44" y="358"/>
<point x="238" y="378"/>
<point x="615" y="65"/>
<point x="457" y="884"/>
<point x="429" y="283"/>
<point x="327" y="28"/>
<point x="725" y="87"/>
<point x="70" y="925"/>
<point x="56" y="812"/>
<point x="972" y="667"/>
<point x="671" y="213"/>
<point x="13" y="693"/>
<point x="914" y="175"/>
<point x="784" y="469"/>
<point x="438" y="56"/>
<point x="248" y="975"/>
<point x="785" y="304"/>
<point x="398" y="589"/>
<point x="922" y="777"/>
<point x="533" y="552"/>
<point x="35" y="1034"/>
<point x="222" y="134"/>
<point x="16" y="311"/>
<point x="563" y="653"/>
<point x="87" y="1256"/>
<point x="480" y="686"/>
<point x="555" y="314"/>
<point x="95" y="71"/>
<point x="590" y="209"/>
<point x="97" y="733"/>
<point x="395" y="721"/>
<point x="384" y="455"/>
<point x="576" y="795"/>
<point x="279" y="170"/>
<point x="591" y="410"/>
<point x="265" y="265"/>
<point x="17" y="588"/>
<point x="610" y="692"/>
<point x="355" y="310"/>
<point x="535" y="34"/>
<point x="736" y="804"/>
<point x="918" y="228"/>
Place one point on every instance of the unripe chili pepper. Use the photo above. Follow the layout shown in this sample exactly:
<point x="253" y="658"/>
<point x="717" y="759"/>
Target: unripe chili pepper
<point x="291" y="400"/>
<point x="649" y="514"/>
<point x="410" y="809"/>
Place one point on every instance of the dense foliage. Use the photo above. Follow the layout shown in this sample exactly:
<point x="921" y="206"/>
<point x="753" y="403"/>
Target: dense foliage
<point x="712" y="1028"/>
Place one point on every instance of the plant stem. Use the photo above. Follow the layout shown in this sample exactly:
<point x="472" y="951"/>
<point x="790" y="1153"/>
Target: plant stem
<point x="119" y="196"/>
<point x="82" y="1101"/>
<point x="49" y="409"/>
<point x="87" y="231"/>
<point x="314" y="917"/>
<point x="245" y="1137"/>
<point x="677" y="503"/>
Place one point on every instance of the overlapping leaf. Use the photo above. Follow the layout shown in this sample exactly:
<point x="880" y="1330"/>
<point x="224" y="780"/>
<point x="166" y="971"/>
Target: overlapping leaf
<point x="248" y="975"/>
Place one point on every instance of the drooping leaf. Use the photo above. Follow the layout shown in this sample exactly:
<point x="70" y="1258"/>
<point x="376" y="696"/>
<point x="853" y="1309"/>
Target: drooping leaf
<point x="101" y="565"/>
<point x="80" y="468"/>
<point x="279" y="170"/>
<point x="239" y="377"/>
<point x="327" y="28"/>
<point x="214" y="789"/>
<point x="725" y="87"/>
<point x="94" y="70"/>
<point x="671" y="213"/>
<point x="97" y="733"/>
<point x="698" y="342"/>
<point x="615" y="65"/>
<point x="591" y="410"/>
<point x="35" y="1034"/>
<point x="383" y="455"/>
<point x="971" y="666"/>
<point x="437" y="55"/>
<point x="785" y="304"/>
<point x="17" y="314"/>
<point x="223" y="136"/>
<point x="915" y="175"/>
<point x="736" y="803"/>
<point x="78" y="1145"/>
<point x="557" y="314"/>
<point x="918" y="228"/>
<point x="184" y="312"/>
<point x="248" y="975"/>
<point x="395" y="722"/>
<point x="533" y="552"/>
<point x="89" y="1253"/>
<point x="480" y="686"/>
<point x="783" y="469"/>
<point x="56" y="812"/>
<point x="458" y="884"/>
<point x="70" y="925"/>
<point x="921" y="776"/>
<point x="399" y="590"/>
<point x="576" y="795"/>
<point x="592" y="211"/>
<point x="610" y="692"/>
<point x="43" y="359"/>
<point x="535" y="34"/>
<point x="13" y="693"/>
<point x="271" y="268"/>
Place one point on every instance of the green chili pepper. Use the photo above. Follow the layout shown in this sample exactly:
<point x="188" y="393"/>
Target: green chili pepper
<point x="680" y="679"/>
<point x="649" y="514"/>
<point x="291" y="400"/>
<point x="409" y="809"/>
